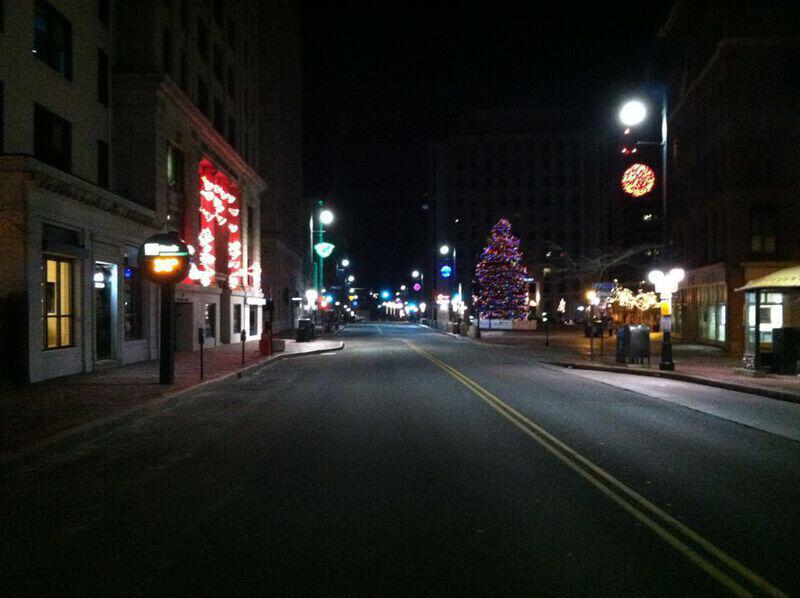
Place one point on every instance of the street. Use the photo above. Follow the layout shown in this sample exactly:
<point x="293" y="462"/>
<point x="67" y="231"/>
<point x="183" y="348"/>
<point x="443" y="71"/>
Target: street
<point x="415" y="463"/>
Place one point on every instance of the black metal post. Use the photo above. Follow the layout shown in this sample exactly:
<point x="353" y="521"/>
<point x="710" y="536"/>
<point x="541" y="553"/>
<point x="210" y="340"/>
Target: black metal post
<point x="166" y="370"/>
<point x="546" y="331"/>
<point x="665" y="363"/>
<point x="243" y="337"/>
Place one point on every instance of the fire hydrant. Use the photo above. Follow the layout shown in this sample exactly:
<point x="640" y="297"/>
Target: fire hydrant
<point x="265" y="342"/>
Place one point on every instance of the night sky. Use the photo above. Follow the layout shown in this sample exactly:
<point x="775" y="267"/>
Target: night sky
<point x="382" y="80"/>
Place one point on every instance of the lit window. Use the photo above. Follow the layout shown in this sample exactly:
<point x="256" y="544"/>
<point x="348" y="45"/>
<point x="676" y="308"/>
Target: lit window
<point x="57" y="303"/>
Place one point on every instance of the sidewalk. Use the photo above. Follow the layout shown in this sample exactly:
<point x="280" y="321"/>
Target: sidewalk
<point x="32" y="414"/>
<point x="701" y="363"/>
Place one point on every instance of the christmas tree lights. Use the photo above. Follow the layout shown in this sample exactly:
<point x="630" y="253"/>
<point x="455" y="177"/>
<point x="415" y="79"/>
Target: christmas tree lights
<point x="500" y="275"/>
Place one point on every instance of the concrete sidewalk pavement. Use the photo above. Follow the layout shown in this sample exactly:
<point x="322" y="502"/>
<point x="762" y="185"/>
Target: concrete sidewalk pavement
<point x="37" y="413"/>
<point x="693" y="363"/>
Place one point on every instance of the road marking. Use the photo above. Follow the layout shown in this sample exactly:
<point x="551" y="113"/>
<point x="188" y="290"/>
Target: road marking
<point x="650" y="515"/>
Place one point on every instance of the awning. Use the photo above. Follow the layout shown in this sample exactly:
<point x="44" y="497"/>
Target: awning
<point x="780" y="280"/>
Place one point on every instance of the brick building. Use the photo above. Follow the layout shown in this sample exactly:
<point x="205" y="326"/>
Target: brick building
<point x="734" y="159"/>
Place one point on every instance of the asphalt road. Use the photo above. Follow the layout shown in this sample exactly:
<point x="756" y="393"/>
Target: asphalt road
<point x="410" y="463"/>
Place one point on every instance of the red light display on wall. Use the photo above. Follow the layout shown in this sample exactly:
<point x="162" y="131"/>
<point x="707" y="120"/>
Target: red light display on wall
<point x="219" y="228"/>
<point x="638" y="180"/>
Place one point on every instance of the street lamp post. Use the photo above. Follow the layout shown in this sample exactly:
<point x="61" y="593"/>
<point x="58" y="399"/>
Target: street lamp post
<point x="632" y="114"/>
<point x="317" y="270"/>
<point x="445" y="251"/>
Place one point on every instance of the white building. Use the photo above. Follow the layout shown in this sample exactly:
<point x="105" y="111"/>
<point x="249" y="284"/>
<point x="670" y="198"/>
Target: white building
<point x="120" y="119"/>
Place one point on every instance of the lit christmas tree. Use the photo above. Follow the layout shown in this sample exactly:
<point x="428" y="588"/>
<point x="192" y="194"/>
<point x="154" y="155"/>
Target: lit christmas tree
<point x="500" y="276"/>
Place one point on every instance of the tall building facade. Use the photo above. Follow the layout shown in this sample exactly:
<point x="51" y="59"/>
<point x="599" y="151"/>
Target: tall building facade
<point x="550" y="181"/>
<point x="284" y="211"/>
<point x="734" y="159"/>
<point x="121" y="119"/>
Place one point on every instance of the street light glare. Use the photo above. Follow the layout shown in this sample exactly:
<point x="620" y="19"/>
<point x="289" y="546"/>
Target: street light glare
<point x="632" y="113"/>
<point x="326" y="216"/>
<point x="415" y="274"/>
<point x="345" y="263"/>
<point x="444" y="249"/>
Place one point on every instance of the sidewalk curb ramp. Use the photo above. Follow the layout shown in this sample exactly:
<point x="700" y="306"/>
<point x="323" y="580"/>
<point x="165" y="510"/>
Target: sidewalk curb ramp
<point x="75" y="435"/>
<point x="753" y="390"/>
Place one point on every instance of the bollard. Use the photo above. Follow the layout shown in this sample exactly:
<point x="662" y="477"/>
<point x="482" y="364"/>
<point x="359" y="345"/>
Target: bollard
<point x="243" y="337"/>
<point x="265" y="343"/>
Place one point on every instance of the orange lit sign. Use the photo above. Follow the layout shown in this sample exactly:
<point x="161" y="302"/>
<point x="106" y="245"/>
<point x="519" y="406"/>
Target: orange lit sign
<point x="164" y="265"/>
<point x="165" y="258"/>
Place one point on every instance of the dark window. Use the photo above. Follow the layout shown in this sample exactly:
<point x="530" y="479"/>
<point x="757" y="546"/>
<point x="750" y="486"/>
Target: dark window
<point x="231" y="34"/>
<point x="217" y="62"/>
<point x="132" y="298"/>
<point x="251" y="222"/>
<point x="763" y="227"/>
<point x="52" y="39"/>
<point x="219" y="117"/>
<point x="102" y="164"/>
<point x="184" y="74"/>
<point x="167" y="52"/>
<point x="237" y="318"/>
<point x="102" y="77"/>
<point x="232" y="131"/>
<point x="175" y="172"/>
<point x="231" y="80"/>
<point x="104" y="11"/>
<point x="202" y="96"/>
<point x="210" y="320"/>
<point x="202" y="38"/>
<point x="52" y="138"/>
<point x="57" y="302"/>
<point x="253" y="320"/>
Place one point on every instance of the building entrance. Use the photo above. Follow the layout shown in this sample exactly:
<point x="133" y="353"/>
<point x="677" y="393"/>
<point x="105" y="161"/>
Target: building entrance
<point x="103" y="313"/>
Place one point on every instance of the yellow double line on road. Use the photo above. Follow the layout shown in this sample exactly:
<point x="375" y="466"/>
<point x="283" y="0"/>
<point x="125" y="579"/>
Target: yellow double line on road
<point x="718" y="564"/>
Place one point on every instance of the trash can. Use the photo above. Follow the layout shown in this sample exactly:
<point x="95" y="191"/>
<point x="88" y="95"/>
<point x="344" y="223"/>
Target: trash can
<point x="639" y="344"/>
<point x="305" y="330"/>
<point x="785" y="350"/>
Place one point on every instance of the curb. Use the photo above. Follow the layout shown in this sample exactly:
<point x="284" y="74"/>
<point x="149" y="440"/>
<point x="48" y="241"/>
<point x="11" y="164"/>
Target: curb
<point x="12" y="460"/>
<point x="753" y="390"/>
<point x="450" y="334"/>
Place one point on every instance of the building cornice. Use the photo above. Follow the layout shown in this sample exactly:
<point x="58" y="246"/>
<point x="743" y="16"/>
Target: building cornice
<point x="78" y="189"/>
<point x="164" y="87"/>
<point x="216" y="142"/>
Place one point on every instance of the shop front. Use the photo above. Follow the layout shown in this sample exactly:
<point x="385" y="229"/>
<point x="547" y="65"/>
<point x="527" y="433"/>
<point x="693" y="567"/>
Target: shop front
<point x="772" y="322"/>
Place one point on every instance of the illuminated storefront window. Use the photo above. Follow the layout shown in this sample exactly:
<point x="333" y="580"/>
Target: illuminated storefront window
<point x="57" y="303"/>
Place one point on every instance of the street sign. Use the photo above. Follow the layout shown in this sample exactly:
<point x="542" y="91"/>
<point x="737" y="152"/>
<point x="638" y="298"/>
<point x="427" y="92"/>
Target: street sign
<point x="165" y="259"/>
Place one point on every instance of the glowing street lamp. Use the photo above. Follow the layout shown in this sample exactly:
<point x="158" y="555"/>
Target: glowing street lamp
<point x="666" y="284"/>
<point x="345" y="263"/>
<point x="632" y="113"/>
<point x="326" y="217"/>
<point x="415" y="274"/>
<point x="351" y="278"/>
<point x="444" y="249"/>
